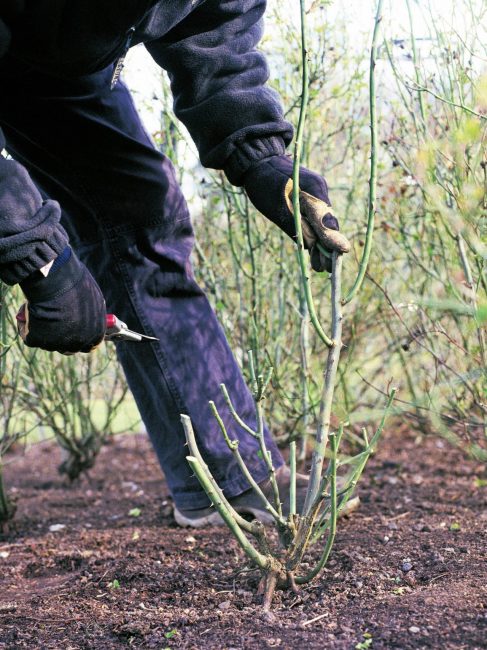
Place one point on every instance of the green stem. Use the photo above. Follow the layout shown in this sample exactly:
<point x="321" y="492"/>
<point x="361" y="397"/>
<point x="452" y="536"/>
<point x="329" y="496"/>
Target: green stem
<point x="373" y="161"/>
<point x="470" y="111"/>
<point x="234" y="413"/>
<point x="362" y="460"/>
<point x="333" y="516"/>
<point x="415" y="62"/>
<point x="462" y="252"/>
<point x="267" y="457"/>
<point x="292" y="484"/>
<point x="261" y="561"/>
<point x="303" y="263"/>
<point x="233" y="446"/>
<point x="5" y="505"/>
<point x="3" y="331"/>
<point x="210" y="483"/>
<point x="259" y="385"/>
<point x="304" y="354"/>
<point x="328" y="387"/>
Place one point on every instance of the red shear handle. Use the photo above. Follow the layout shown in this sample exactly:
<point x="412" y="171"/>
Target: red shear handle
<point x="21" y="315"/>
<point x="23" y="321"/>
<point x="111" y="321"/>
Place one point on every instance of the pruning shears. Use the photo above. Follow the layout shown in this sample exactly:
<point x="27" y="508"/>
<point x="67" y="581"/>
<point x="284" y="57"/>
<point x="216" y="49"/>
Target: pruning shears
<point x="116" y="330"/>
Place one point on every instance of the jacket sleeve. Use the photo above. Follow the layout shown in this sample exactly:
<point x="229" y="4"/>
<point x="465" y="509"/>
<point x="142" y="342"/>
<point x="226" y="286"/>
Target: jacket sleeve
<point x="218" y="83"/>
<point x="30" y="232"/>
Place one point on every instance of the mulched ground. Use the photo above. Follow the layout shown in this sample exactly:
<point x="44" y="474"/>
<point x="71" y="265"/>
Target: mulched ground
<point x="409" y="570"/>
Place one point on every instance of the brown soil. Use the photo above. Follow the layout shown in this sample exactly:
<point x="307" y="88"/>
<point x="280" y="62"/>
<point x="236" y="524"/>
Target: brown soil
<point x="408" y="570"/>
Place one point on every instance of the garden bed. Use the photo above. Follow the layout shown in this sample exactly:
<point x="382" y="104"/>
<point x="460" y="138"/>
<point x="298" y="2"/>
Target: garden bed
<point x="101" y="563"/>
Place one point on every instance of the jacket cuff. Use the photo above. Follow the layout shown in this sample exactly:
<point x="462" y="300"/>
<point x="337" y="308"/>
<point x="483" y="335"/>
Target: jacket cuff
<point x="43" y="252"/>
<point x="38" y="288"/>
<point x="250" y="152"/>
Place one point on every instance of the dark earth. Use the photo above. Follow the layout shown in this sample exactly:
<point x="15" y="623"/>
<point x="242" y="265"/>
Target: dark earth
<point x="409" y="569"/>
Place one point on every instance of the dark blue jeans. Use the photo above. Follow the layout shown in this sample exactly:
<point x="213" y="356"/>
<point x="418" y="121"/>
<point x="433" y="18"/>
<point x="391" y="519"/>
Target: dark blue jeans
<point x="85" y="146"/>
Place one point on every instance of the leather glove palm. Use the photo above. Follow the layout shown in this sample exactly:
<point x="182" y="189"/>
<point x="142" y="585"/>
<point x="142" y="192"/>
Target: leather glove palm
<point x="269" y="186"/>
<point x="65" y="311"/>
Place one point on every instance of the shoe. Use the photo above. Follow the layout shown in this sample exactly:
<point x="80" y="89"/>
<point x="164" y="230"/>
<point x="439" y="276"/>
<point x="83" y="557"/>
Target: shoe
<point x="249" y="503"/>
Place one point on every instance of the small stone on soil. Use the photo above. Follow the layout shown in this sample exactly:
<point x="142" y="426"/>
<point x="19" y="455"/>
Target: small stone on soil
<point x="414" y="630"/>
<point x="225" y="605"/>
<point x="410" y="578"/>
<point x="8" y="607"/>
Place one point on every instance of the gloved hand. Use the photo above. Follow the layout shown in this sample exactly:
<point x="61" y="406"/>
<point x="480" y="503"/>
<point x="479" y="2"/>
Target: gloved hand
<point x="269" y="186"/>
<point x="65" y="311"/>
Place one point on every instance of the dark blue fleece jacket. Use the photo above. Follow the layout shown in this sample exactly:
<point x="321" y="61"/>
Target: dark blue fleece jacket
<point x="208" y="48"/>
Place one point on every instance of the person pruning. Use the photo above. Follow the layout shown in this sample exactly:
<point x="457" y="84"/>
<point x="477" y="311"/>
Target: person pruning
<point x="92" y="217"/>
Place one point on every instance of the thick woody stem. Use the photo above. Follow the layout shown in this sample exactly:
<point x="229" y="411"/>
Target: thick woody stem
<point x="328" y="387"/>
<point x="333" y="516"/>
<point x="270" y="587"/>
<point x="362" y="460"/>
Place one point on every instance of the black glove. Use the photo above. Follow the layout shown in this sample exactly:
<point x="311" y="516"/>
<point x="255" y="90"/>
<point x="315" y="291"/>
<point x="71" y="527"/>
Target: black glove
<point x="65" y="310"/>
<point x="269" y="186"/>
